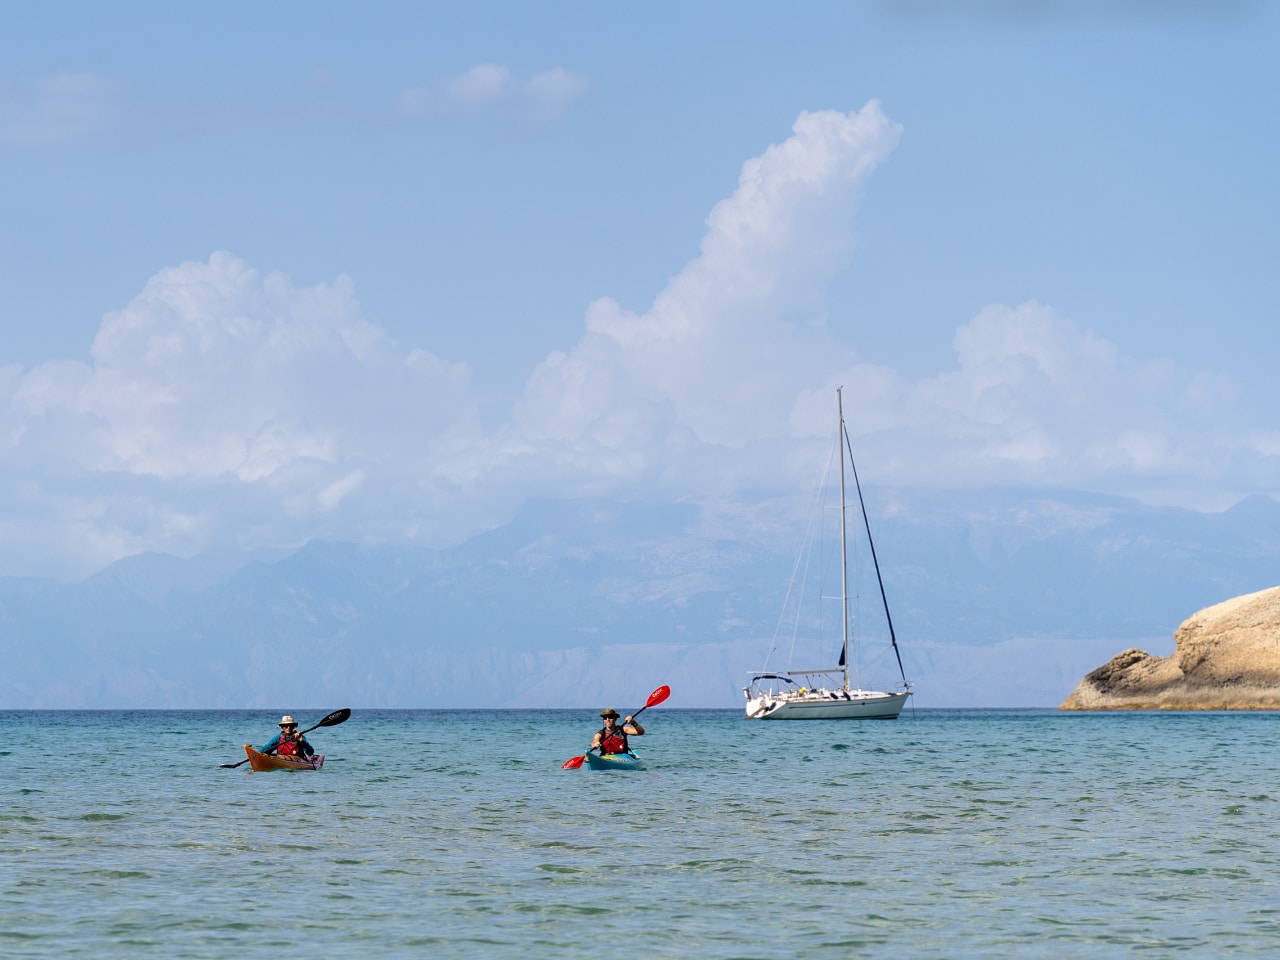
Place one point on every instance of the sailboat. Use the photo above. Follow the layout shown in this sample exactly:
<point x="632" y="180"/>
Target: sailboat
<point x="792" y="694"/>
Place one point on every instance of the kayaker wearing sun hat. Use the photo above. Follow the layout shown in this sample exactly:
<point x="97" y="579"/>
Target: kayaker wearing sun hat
<point x="289" y="743"/>
<point x="613" y="737"/>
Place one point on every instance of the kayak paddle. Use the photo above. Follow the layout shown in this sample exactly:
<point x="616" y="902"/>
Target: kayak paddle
<point x="332" y="720"/>
<point x="655" y="698"/>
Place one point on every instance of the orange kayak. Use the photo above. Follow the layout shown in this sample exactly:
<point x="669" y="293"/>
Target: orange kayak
<point x="264" y="761"/>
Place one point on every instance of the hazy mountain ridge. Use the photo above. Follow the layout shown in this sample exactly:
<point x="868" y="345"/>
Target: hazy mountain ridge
<point x="574" y="597"/>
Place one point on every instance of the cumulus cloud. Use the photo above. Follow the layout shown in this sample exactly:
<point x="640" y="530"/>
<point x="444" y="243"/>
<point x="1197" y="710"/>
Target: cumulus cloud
<point x="216" y="378"/>
<point x="1035" y="398"/>
<point x="711" y="388"/>
<point x="214" y="369"/>
<point x="719" y="356"/>
<point x="486" y="85"/>
<point x="57" y="110"/>
<point x="225" y="408"/>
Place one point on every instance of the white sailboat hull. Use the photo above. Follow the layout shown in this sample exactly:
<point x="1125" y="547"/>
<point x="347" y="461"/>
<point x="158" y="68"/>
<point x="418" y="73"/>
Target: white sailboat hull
<point x="827" y="705"/>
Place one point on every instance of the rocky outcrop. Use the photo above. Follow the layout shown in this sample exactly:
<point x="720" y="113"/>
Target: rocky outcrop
<point x="1226" y="657"/>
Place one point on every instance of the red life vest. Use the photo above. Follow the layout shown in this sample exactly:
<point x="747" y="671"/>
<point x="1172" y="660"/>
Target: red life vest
<point x="615" y="742"/>
<point x="288" y="748"/>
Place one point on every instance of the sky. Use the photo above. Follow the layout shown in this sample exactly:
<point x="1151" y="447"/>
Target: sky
<point x="276" y="272"/>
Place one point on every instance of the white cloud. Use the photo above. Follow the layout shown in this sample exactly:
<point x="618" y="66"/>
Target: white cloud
<point x="225" y="408"/>
<point x="552" y="90"/>
<point x="715" y="359"/>
<point x="709" y="389"/>
<point x="483" y="84"/>
<point x="332" y="496"/>
<point x="489" y="85"/>
<point x="1035" y="398"/>
<point x="216" y="370"/>
<point x="218" y="390"/>
<point x="57" y="110"/>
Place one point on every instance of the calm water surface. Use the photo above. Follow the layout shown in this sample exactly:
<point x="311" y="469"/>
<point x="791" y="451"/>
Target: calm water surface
<point x="945" y="834"/>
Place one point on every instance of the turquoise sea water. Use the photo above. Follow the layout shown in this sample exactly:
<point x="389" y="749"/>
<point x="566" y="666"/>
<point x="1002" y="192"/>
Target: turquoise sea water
<point x="944" y="834"/>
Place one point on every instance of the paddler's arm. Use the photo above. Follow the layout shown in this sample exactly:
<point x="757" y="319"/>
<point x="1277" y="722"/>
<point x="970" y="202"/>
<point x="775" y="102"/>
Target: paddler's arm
<point x="631" y="728"/>
<point x="271" y="746"/>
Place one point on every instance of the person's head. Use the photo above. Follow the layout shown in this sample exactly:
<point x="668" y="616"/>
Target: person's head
<point x="288" y="725"/>
<point x="610" y="716"/>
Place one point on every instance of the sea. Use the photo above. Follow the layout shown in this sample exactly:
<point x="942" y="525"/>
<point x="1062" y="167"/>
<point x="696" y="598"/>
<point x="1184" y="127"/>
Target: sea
<point x="456" y="834"/>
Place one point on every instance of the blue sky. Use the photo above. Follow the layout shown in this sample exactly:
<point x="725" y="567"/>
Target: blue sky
<point x="280" y="271"/>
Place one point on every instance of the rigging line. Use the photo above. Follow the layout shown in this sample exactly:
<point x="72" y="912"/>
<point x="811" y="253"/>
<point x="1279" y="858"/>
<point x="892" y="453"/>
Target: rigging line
<point x="800" y="570"/>
<point x="871" y="544"/>
<point x="814" y="558"/>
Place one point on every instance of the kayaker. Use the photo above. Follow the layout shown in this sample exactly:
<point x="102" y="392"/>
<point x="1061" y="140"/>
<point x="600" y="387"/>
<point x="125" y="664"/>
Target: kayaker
<point x="289" y="743"/>
<point x="613" y="737"/>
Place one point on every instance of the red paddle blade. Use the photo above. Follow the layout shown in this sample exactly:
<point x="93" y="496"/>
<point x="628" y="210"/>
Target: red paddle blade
<point x="657" y="697"/>
<point x="573" y="764"/>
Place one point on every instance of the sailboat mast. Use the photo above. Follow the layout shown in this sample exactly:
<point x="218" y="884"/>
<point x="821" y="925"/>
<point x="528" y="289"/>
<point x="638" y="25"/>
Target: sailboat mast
<point x="844" y="552"/>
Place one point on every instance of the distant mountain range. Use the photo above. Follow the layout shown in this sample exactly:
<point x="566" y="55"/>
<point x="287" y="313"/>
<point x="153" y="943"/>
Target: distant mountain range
<point x="999" y="598"/>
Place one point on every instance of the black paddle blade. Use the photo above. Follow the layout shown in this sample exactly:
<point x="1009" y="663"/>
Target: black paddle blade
<point x="335" y="718"/>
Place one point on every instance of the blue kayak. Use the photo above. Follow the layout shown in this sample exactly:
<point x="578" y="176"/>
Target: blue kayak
<point x="614" y="761"/>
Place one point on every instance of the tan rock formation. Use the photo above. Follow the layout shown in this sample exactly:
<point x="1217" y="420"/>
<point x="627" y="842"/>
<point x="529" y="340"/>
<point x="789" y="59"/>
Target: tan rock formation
<point x="1226" y="657"/>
